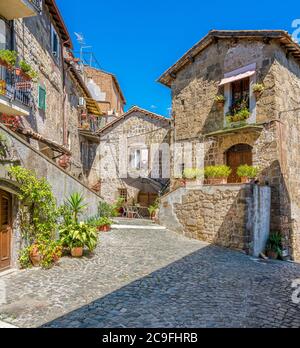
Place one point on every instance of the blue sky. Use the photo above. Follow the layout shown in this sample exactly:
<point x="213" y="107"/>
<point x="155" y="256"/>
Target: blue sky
<point x="138" y="40"/>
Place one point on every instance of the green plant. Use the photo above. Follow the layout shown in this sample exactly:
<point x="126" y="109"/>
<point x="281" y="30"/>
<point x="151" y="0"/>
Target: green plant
<point x="24" y="258"/>
<point x="107" y="210"/>
<point x="78" y="235"/>
<point x="217" y="172"/>
<point x="9" y="57"/>
<point x="27" y="69"/>
<point x="220" y="98"/>
<point x="258" y="88"/>
<point x="76" y="205"/>
<point x="275" y="243"/>
<point x="104" y="221"/>
<point x="38" y="213"/>
<point x="50" y="252"/>
<point x="247" y="171"/>
<point x="192" y="173"/>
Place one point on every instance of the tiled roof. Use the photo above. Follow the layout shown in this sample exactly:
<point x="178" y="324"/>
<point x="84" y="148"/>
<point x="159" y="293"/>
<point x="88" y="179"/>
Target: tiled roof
<point x="128" y="113"/>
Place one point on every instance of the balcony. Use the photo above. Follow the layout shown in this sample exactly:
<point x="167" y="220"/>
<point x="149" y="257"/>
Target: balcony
<point x="88" y="125"/>
<point x="14" y="9"/>
<point x="15" y="93"/>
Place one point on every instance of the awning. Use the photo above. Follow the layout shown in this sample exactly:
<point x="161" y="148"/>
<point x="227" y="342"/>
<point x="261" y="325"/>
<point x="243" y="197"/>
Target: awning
<point x="52" y="144"/>
<point x="239" y="74"/>
<point x="93" y="107"/>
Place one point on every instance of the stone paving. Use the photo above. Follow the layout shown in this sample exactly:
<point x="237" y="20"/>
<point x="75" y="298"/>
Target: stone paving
<point x="154" y="278"/>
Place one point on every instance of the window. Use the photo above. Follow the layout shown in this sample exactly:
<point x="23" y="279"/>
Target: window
<point x="240" y="92"/>
<point x="135" y="159"/>
<point x="55" y="47"/>
<point x="123" y="194"/>
<point x="42" y="98"/>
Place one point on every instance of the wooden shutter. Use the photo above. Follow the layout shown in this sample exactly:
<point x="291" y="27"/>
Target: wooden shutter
<point x="42" y="98"/>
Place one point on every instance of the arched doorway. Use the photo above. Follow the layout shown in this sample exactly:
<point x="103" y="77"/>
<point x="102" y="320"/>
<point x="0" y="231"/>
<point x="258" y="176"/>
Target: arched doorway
<point x="238" y="155"/>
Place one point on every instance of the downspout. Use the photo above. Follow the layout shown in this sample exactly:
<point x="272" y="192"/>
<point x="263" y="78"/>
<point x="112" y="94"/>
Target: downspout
<point x="65" y="126"/>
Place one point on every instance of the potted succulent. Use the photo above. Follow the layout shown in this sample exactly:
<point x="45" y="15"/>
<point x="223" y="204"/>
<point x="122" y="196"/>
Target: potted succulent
<point x="220" y="101"/>
<point x="64" y="161"/>
<point x="193" y="176"/>
<point x="274" y="246"/>
<point x="217" y="175"/>
<point x="257" y="89"/>
<point x="76" y="236"/>
<point x="247" y="173"/>
<point x="8" y="58"/>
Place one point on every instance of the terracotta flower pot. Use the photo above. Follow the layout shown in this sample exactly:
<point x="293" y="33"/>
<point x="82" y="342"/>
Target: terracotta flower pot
<point x="35" y="257"/>
<point x="77" y="252"/>
<point x="18" y="71"/>
<point x="272" y="254"/>
<point x="105" y="228"/>
<point x="220" y="105"/>
<point x="217" y="181"/>
<point x="245" y="180"/>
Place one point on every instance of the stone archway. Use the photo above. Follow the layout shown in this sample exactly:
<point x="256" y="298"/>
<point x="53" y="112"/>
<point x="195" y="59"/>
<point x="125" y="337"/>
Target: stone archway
<point x="237" y="155"/>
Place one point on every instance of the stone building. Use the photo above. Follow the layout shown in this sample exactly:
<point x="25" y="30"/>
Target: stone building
<point x="41" y="116"/>
<point x="131" y="156"/>
<point x="106" y="89"/>
<point x="230" y="63"/>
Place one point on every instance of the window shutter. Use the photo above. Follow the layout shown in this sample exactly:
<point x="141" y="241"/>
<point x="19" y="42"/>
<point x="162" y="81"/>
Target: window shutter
<point x="42" y="98"/>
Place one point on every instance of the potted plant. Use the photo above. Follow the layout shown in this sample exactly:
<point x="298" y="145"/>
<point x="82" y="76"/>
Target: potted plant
<point x="217" y="175"/>
<point x="274" y="246"/>
<point x="257" y="89"/>
<point x="220" y="101"/>
<point x="247" y="173"/>
<point x="76" y="236"/>
<point x="153" y="210"/>
<point x="64" y="161"/>
<point x="8" y="58"/>
<point x="104" y="224"/>
<point x="26" y="71"/>
<point x="193" y="176"/>
<point x="35" y="255"/>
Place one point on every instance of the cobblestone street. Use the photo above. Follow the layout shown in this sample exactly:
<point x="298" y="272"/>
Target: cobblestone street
<point x="154" y="278"/>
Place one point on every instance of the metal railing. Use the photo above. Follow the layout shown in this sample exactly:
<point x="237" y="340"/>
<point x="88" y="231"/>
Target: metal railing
<point x="89" y="122"/>
<point x="36" y="4"/>
<point x="15" y="87"/>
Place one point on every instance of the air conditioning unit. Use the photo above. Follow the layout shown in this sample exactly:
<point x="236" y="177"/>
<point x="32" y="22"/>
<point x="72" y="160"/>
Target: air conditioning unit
<point x="81" y="102"/>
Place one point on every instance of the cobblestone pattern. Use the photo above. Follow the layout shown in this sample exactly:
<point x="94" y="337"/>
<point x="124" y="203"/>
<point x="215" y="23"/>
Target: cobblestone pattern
<point x="154" y="279"/>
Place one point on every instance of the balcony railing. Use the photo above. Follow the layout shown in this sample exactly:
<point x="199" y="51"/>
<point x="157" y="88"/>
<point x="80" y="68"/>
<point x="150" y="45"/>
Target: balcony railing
<point x="89" y="123"/>
<point x="14" y="87"/>
<point x="37" y="4"/>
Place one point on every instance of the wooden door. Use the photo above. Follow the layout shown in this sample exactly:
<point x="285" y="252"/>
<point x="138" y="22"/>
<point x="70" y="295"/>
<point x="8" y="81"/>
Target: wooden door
<point x="236" y="156"/>
<point x="5" y="230"/>
<point x="147" y="199"/>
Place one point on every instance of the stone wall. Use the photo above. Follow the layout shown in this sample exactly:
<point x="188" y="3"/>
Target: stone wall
<point x="62" y="183"/>
<point x="138" y="130"/>
<point x="196" y="85"/>
<point x="226" y="215"/>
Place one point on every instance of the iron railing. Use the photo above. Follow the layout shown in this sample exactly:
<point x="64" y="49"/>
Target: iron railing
<point x="15" y="87"/>
<point x="89" y="122"/>
<point x="36" y="4"/>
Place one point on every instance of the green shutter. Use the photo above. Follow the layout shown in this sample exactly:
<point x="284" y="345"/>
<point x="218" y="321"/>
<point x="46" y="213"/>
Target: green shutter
<point x="42" y="98"/>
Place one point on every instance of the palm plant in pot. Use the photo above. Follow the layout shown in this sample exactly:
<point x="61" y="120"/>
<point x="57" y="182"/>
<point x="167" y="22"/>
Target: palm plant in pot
<point x="217" y="175"/>
<point x="247" y="173"/>
<point x="274" y="246"/>
<point x="153" y="210"/>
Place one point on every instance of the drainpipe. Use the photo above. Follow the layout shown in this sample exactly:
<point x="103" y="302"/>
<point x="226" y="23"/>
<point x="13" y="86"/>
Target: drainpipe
<point x="65" y="126"/>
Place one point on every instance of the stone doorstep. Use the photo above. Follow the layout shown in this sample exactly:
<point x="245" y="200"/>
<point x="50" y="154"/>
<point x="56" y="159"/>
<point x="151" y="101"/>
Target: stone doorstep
<point x="137" y="227"/>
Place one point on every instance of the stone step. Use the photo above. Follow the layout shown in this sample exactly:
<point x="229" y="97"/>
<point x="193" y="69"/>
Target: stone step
<point x="135" y="222"/>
